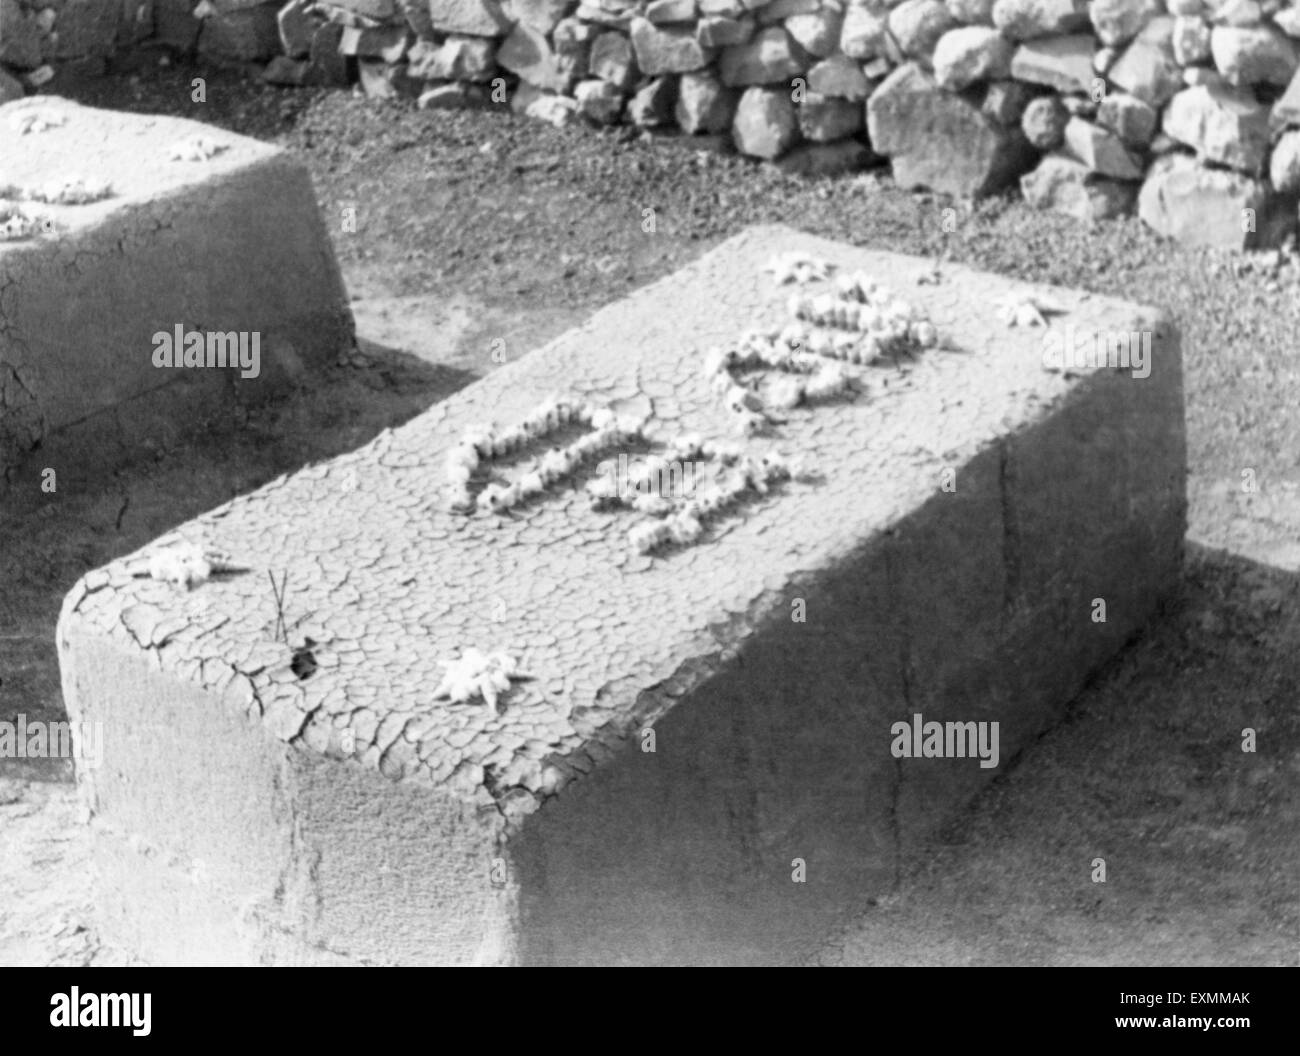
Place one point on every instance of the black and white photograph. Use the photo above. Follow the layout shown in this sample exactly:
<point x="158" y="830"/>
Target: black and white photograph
<point x="651" y="483"/>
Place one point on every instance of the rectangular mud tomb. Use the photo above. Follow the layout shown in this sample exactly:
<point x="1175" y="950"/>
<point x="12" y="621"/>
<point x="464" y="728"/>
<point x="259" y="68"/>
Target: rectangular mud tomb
<point x="513" y="705"/>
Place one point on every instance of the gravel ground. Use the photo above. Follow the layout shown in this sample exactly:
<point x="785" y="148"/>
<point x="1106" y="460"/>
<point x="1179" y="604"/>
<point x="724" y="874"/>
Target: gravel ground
<point x="473" y="227"/>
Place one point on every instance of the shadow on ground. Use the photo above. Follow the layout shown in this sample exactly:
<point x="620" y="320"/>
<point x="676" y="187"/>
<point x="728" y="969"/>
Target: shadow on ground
<point x="1148" y="773"/>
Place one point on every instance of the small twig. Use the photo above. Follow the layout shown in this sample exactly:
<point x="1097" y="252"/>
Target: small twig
<point x="280" y="632"/>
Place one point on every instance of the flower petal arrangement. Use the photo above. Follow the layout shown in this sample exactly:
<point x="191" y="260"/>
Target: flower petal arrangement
<point x="196" y="148"/>
<point x="35" y="120"/>
<point x="642" y="490"/>
<point x="481" y="445"/>
<point x="476" y="674"/>
<point x="860" y="304"/>
<point x="797" y="267"/>
<point x="186" y="564"/>
<point x="17" y="223"/>
<point x="683" y="527"/>
<point x="808" y="379"/>
<point x="858" y="322"/>
<point x="76" y="190"/>
<point x="1027" y="310"/>
<point x="183" y="569"/>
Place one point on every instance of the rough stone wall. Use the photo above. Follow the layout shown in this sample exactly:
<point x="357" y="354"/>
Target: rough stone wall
<point x="1188" y="112"/>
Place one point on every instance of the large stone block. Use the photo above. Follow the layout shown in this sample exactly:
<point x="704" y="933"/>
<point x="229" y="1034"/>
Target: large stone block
<point x="1064" y="185"/>
<point x="263" y="798"/>
<point x="765" y="124"/>
<point x="969" y="54"/>
<point x="1183" y="200"/>
<point x="770" y="58"/>
<point x="724" y="32"/>
<point x="529" y="54"/>
<point x="1225" y="125"/>
<point x="817" y="33"/>
<point x="917" y="25"/>
<point x="612" y="60"/>
<point x="1101" y="150"/>
<point x="1129" y="118"/>
<point x="1148" y="68"/>
<point x="479" y="18"/>
<point x="459" y="58"/>
<point x="704" y="104"/>
<point x="1117" y="22"/>
<point x="557" y="110"/>
<point x="1027" y="19"/>
<point x="1063" y="63"/>
<point x="865" y="33"/>
<point x="839" y="76"/>
<point x="233" y="243"/>
<point x="670" y="49"/>
<point x="541" y="15"/>
<point x="940" y="140"/>
<point x="1254" y="55"/>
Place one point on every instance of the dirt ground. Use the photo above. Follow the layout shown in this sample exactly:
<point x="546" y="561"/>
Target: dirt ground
<point x="478" y="227"/>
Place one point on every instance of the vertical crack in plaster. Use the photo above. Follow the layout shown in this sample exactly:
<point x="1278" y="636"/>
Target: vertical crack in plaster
<point x="905" y="682"/>
<point x="22" y="422"/>
<point x="1010" y="532"/>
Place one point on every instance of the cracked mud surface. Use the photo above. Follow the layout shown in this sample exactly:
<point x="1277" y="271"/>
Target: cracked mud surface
<point x="1203" y="843"/>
